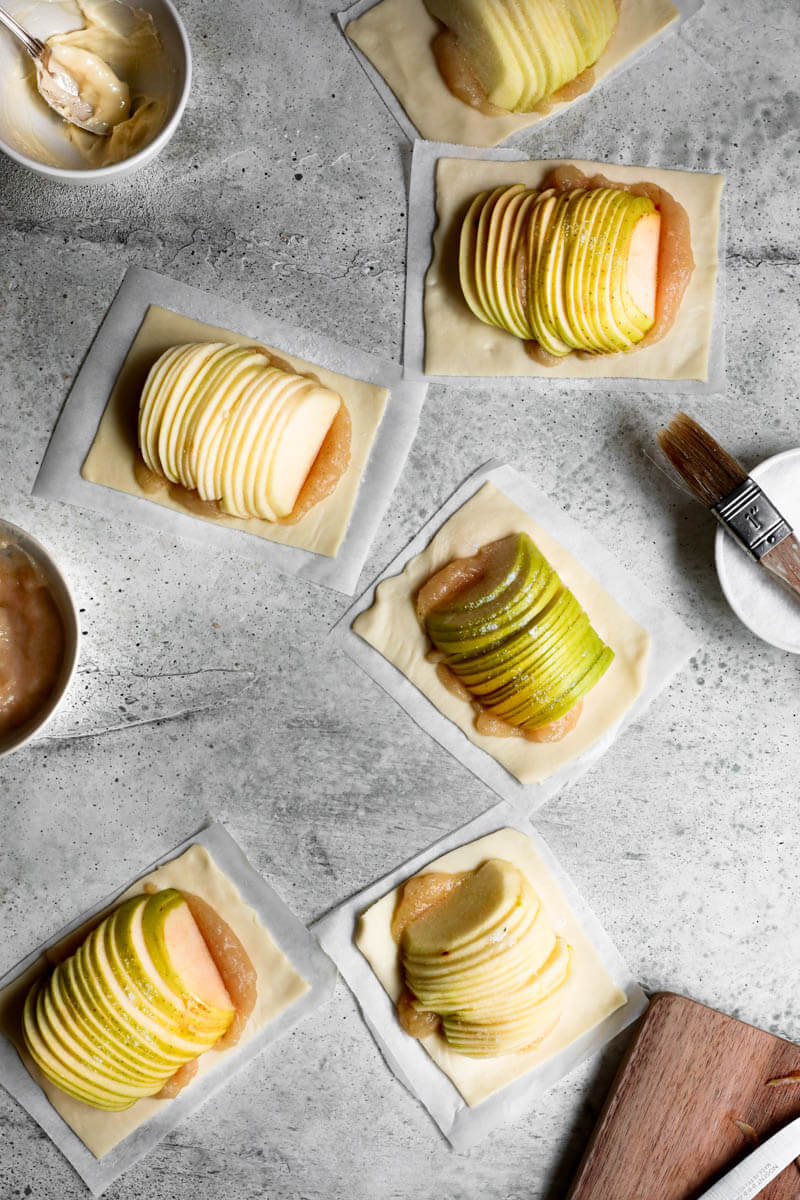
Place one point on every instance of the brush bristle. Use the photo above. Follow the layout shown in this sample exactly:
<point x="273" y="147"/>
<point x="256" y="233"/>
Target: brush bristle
<point x="709" y="470"/>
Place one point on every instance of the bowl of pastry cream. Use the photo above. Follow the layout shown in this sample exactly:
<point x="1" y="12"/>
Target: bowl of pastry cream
<point x="132" y="63"/>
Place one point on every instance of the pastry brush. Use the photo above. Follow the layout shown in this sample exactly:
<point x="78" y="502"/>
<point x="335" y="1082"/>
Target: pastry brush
<point x="736" y="500"/>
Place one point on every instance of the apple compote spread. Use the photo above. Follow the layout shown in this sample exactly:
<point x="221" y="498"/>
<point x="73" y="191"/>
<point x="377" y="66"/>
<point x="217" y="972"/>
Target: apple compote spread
<point x="31" y="638"/>
<point x="512" y="641"/>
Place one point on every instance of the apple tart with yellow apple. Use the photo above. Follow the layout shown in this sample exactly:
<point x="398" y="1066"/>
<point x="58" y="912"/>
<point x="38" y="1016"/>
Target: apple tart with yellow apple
<point x="242" y="430"/>
<point x="579" y="265"/>
<point x="513" y="55"/>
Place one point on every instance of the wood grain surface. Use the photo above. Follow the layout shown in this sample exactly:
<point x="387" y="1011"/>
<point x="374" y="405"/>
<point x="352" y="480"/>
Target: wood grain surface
<point x="668" y="1128"/>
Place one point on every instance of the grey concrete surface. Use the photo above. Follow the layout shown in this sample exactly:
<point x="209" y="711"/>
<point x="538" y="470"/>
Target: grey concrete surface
<point x="285" y="189"/>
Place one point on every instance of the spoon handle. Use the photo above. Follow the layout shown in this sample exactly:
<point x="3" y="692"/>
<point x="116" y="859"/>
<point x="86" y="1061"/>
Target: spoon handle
<point x="34" y="47"/>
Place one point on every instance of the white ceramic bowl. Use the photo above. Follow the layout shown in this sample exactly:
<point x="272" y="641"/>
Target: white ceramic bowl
<point x="42" y="19"/>
<point x="759" y="600"/>
<point x="69" y="617"/>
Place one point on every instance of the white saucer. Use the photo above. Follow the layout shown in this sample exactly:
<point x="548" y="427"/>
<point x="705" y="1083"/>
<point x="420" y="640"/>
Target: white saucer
<point x="763" y="604"/>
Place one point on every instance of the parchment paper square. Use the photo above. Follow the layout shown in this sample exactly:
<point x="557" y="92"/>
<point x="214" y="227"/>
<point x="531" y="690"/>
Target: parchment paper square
<point x="462" y="1125"/>
<point x="392" y="41"/>
<point x="60" y="473"/>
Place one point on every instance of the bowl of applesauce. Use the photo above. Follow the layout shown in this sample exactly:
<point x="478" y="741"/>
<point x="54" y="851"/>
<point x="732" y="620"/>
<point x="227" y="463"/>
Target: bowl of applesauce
<point x="143" y="51"/>
<point x="38" y="637"/>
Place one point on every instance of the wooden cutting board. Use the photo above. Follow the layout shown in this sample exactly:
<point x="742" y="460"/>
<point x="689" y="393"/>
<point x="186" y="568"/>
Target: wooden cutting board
<point x="668" y="1130"/>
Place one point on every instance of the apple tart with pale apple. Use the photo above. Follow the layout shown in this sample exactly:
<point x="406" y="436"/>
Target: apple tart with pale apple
<point x="513" y="55"/>
<point x="241" y="430"/>
<point x="481" y="962"/>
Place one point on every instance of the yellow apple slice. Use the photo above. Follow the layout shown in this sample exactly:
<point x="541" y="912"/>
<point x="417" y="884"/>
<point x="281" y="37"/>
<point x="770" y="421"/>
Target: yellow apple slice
<point x="641" y="272"/>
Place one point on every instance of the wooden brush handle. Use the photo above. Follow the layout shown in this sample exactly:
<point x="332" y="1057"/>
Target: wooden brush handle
<point x="784" y="562"/>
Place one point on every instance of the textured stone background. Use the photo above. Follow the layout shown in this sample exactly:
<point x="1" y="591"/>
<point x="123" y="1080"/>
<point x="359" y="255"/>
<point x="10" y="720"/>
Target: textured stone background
<point x="206" y="686"/>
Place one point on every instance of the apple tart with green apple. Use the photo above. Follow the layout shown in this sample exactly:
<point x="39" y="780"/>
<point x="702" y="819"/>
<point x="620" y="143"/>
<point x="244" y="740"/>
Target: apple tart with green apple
<point x="154" y="985"/>
<point x="236" y="430"/>
<point x="578" y="265"/>
<point x="502" y="56"/>
<point x="510" y="638"/>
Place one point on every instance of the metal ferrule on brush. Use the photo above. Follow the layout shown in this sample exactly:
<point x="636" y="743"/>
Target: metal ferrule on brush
<point x="752" y="518"/>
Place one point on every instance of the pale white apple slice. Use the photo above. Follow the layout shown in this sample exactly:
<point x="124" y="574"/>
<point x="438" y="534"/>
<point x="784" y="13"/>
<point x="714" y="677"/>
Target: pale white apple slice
<point x="205" y="387"/>
<point x="210" y="438"/>
<point x="255" y="468"/>
<point x="158" y="386"/>
<point x="299" y="445"/>
<point x="205" y="418"/>
<point x="184" y="396"/>
<point x="148" y="402"/>
<point x="247" y="437"/>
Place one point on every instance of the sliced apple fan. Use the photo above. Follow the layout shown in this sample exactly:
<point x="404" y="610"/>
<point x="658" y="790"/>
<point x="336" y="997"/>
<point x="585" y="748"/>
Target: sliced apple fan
<point x="517" y="638"/>
<point x="570" y="270"/>
<point x="487" y="961"/>
<point x="522" y="51"/>
<point x="141" y="997"/>
<point x="221" y="420"/>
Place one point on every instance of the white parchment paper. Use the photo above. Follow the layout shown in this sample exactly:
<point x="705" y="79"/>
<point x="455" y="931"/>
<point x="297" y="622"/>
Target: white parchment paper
<point x="286" y="930"/>
<point x="686" y="8"/>
<point x="461" y="1125"/>
<point x="59" y="476"/>
<point x="671" y="642"/>
<point x="422" y="221"/>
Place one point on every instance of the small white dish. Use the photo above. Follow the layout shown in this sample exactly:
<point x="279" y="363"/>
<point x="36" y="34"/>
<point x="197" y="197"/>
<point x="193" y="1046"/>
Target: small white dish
<point x="43" y="134"/>
<point x="765" y="606"/>
<point x="69" y="618"/>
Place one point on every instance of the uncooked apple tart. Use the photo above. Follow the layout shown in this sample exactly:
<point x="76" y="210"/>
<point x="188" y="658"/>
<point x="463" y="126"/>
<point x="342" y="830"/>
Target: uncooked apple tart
<point x="242" y="430"/>
<point x="515" y="55"/>
<point x="579" y="265"/>
<point x="509" y="637"/>
<point x="129" y="1012"/>
<point x="481" y="962"/>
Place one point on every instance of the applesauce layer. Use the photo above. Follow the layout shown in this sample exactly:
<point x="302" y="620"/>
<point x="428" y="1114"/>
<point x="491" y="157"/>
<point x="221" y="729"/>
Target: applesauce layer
<point x="590" y="993"/>
<point x="392" y="627"/>
<point x="31" y="638"/>
<point x="457" y="344"/>
<point x="398" y="36"/>
<point x="321" y="516"/>
<point x="278" y="985"/>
